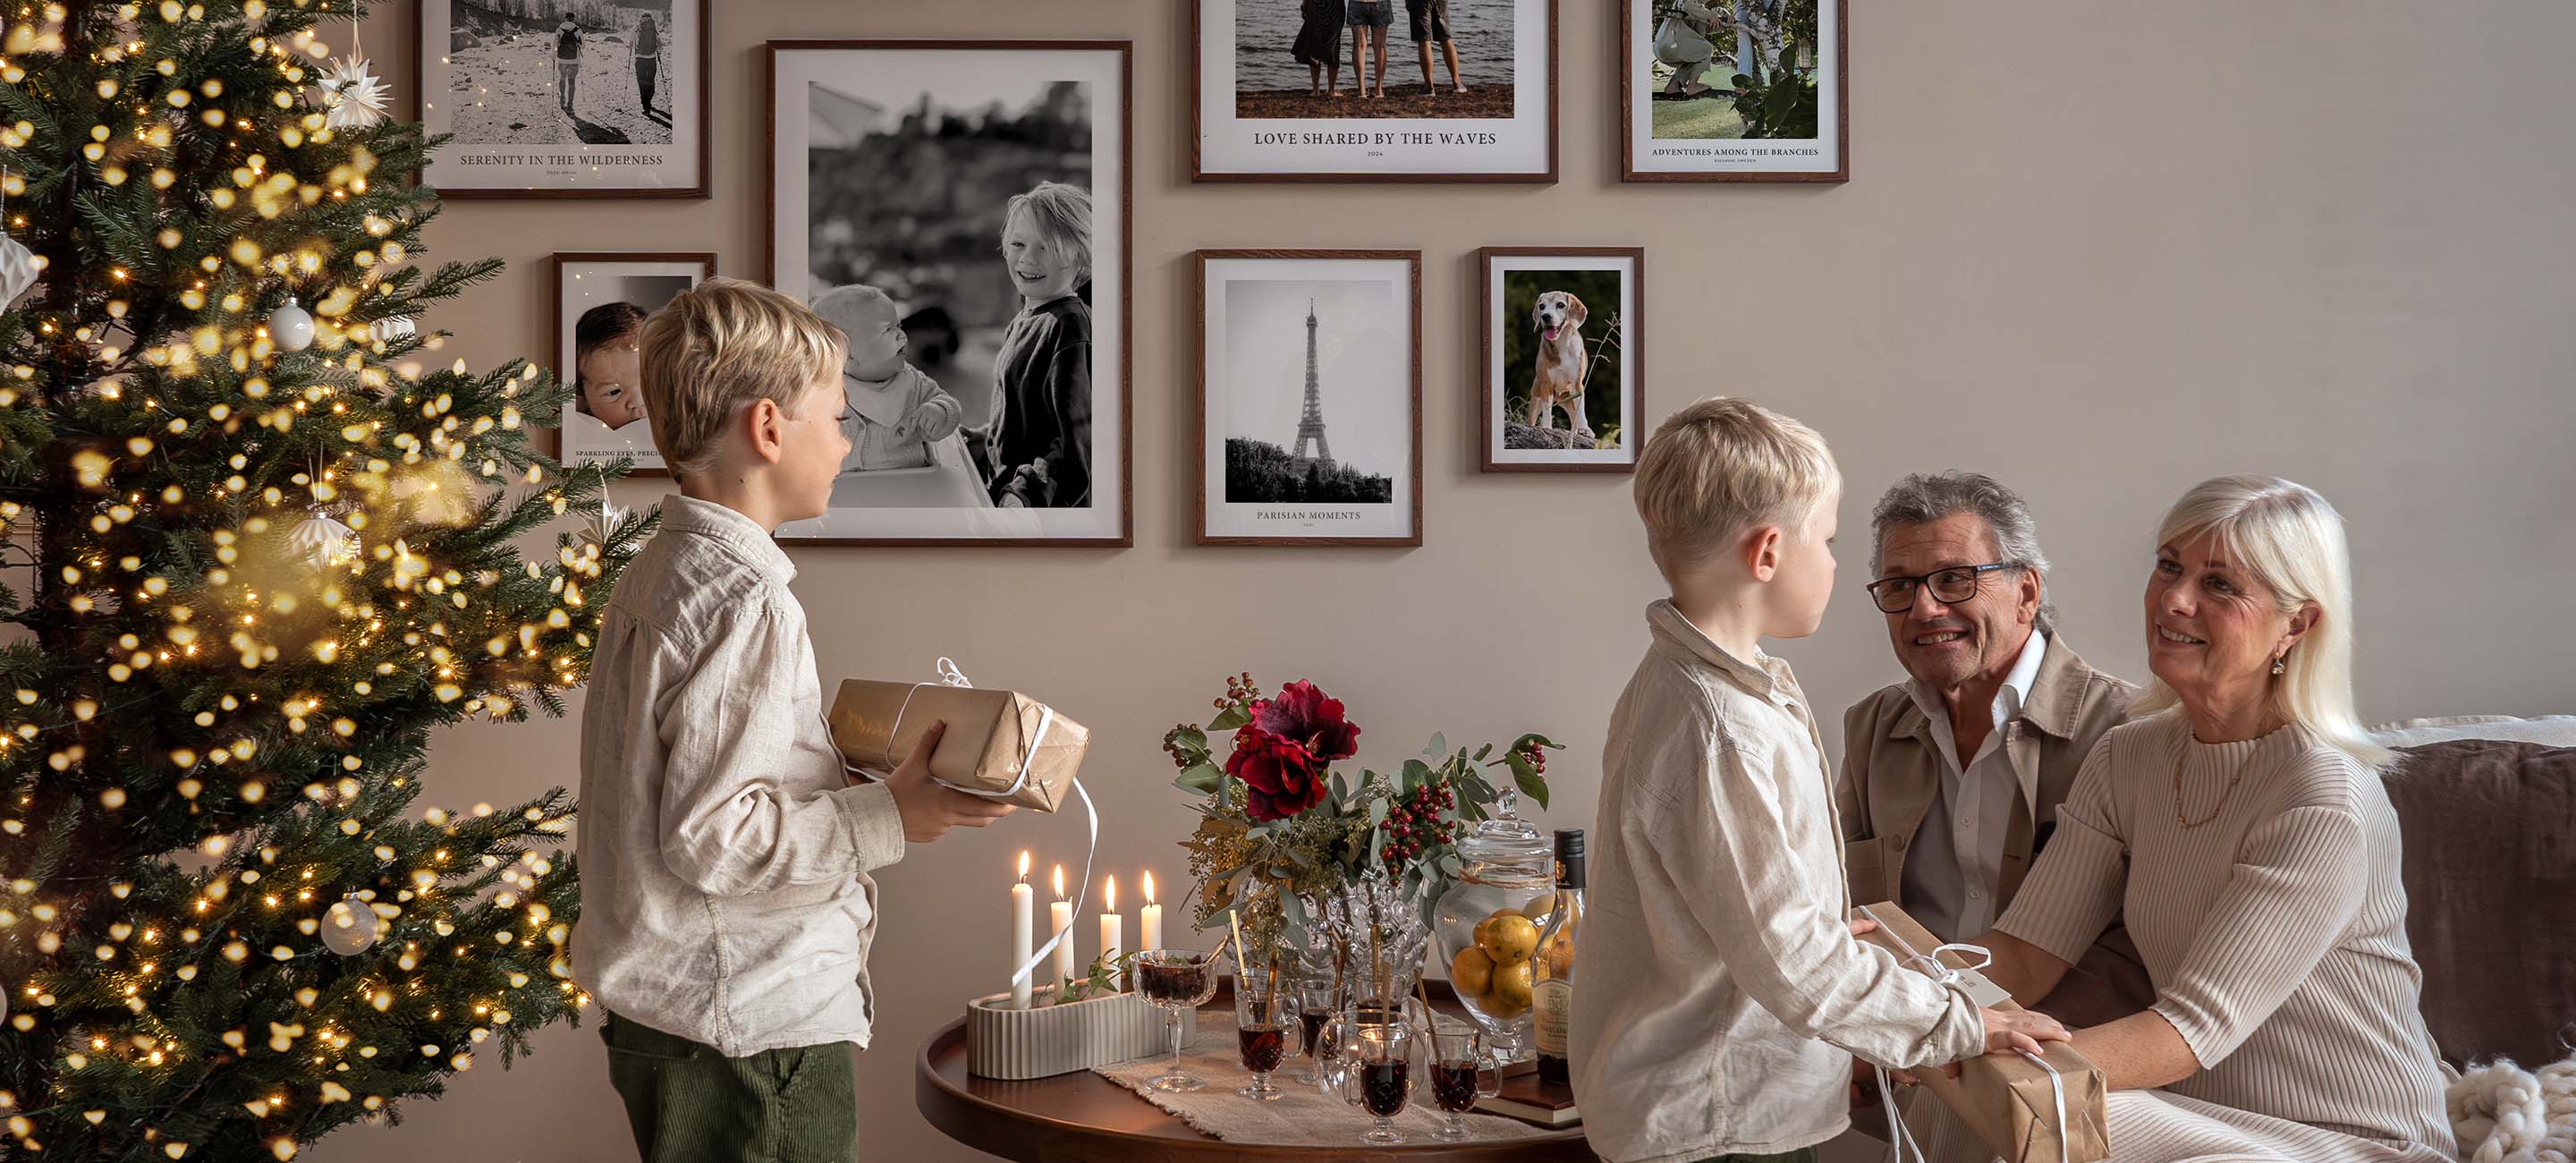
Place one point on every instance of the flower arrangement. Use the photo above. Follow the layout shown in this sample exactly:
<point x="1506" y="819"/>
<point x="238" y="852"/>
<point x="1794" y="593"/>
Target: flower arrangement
<point x="1277" y="827"/>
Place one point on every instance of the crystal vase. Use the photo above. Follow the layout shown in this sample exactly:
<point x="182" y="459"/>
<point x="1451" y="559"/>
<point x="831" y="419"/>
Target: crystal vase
<point x="1376" y="935"/>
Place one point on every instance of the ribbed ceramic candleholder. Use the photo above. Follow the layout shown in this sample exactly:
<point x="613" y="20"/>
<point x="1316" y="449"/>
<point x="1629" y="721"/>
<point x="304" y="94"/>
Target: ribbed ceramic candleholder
<point x="1002" y="1042"/>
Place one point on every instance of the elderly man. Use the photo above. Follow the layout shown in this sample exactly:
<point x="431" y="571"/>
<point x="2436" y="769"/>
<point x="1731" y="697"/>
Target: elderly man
<point x="1951" y="779"/>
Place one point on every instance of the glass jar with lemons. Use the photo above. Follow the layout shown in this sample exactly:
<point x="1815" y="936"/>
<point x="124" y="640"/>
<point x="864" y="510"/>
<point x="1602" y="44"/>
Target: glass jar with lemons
<point x="1488" y="924"/>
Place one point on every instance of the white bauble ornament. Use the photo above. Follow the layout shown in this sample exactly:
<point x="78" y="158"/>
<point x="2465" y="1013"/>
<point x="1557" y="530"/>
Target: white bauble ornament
<point x="352" y="96"/>
<point x="323" y="541"/>
<point x="19" y="267"/>
<point x="350" y="926"/>
<point x="290" y="326"/>
<point x="393" y="328"/>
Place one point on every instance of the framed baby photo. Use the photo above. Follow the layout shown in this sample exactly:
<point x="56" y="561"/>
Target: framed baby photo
<point x="1564" y="337"/>
<point x="960" y="209"/>
<point x="599" y="308"/>
<point x="1373" y="90"/>
<point x="565" y="98"/>
<point x="1734" y="91"/>
<point x="1310" y="397"/>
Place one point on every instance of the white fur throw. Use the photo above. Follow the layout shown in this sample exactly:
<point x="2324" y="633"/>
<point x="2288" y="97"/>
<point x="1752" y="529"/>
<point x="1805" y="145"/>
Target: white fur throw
<point x="2503" y="1113"/>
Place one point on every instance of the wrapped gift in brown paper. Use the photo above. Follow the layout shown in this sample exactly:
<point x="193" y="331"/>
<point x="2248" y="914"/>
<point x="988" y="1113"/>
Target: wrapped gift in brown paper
<point x="2006" y="1099"/>
<point x="1000" y="743"/>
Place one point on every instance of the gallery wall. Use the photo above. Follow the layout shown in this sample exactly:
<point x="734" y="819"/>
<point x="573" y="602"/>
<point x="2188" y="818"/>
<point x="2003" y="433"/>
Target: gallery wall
<point x="2099" y="252"/>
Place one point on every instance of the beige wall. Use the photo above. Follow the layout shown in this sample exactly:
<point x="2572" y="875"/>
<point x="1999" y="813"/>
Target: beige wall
<point x="2099" y="251"/>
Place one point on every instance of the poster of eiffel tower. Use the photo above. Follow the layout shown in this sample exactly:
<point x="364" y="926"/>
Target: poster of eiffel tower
<point x="1312" y="394"/>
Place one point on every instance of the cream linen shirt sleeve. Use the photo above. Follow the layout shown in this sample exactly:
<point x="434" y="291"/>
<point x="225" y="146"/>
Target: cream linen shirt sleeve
<point x="740" y="812"/>
<point x="1724" y="848"/>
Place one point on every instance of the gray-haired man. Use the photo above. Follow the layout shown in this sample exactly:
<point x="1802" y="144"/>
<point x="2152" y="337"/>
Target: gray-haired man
<point x="1951" y="779"/>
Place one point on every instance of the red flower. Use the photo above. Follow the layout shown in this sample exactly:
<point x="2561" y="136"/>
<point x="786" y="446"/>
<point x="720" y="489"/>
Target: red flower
<point x="1311" y="718"/>
<point x="1281" y="778"/>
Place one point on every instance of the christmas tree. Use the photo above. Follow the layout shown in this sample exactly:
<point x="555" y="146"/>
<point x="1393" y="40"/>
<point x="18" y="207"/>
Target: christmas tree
<point x="272" y="546"/>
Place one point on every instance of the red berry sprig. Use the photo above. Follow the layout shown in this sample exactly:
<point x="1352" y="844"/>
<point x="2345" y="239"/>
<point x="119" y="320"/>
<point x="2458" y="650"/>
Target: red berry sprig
<point x="1415" y="823"/>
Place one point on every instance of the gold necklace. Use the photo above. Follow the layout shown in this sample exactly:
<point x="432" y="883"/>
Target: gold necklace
<point x="2182" y="747"/>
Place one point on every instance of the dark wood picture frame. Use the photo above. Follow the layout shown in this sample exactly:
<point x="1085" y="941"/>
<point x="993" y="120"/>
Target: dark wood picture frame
<point x="1126" y="50"/>
<point x="1628" y="171"/>
<point x="706" y="121"/>
<point x="1555" y="131"/>
<point x="1199" y="353"/>
<point x="559" y="338"/>
<point x="1632" y="343"/>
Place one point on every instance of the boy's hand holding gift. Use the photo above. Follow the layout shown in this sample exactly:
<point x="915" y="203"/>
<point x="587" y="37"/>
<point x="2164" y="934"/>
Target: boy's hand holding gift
<point x="929" y="810"/>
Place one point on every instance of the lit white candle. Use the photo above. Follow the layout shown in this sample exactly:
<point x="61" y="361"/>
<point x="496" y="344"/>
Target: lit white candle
<point x="1149" y="922"/>
<point x="1112" y="928"/>
<point x="1023" y="939"/>
<point x="1061" y="912"/>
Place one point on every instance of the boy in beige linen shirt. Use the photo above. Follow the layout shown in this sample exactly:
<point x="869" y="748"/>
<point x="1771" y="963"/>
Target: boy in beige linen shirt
<point x="1725" y="991"/>
<point x="726" y="907"/>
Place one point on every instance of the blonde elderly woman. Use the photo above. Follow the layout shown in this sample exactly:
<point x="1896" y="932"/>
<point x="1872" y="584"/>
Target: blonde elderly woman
<point x="2240" y="822"/>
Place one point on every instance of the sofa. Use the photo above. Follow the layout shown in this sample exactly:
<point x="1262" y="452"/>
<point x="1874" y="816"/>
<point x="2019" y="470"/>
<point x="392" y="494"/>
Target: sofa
<point x="2487" y="806"/>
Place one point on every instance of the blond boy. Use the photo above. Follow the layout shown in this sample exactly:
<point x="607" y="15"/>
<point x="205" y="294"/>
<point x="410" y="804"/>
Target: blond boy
<point x="1726" y="990"/>
<point x="727" y="911"/>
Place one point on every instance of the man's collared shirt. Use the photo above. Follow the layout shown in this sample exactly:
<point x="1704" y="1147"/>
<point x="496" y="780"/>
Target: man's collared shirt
<point x="1952" y="872"/>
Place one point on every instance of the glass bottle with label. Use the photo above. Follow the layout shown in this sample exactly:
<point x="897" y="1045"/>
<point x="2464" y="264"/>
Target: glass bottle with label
<point x="1552" y="993"/>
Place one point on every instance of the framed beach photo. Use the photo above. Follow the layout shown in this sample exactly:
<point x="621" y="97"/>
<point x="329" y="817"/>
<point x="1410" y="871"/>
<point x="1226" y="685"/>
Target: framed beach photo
<point x="1310" y="397"/>
<point x="961" y="210"/>
<point x="600" y="303"/>
<point x="1734" y="91"/>
<point x="565" y="98"/>
<point x="1373" y="90"/>
<point x="1565" y="358"/>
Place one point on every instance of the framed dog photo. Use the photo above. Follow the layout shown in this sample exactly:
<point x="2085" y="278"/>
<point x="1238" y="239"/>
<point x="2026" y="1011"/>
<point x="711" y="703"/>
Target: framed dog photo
<point x="1373" y="90"/>
<point x="601" y="301"/>
<point x="1734" y="91"/>
<point x="960" y="209"/>
<point x="565" y="98"/>
<point x="1310" y="397"/>
<point x="1565" y="358"/>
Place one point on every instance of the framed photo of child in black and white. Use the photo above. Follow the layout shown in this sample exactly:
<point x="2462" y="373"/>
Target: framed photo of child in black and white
<point x="1734" y="91"/>
<point x="1565" y="358"/>
<point x="1373" y="90"/>
<point x="959" y="209"/>
<point x="1310" y="397"/>
<point x="565" y="98"/>
<point x="600" y="303"/>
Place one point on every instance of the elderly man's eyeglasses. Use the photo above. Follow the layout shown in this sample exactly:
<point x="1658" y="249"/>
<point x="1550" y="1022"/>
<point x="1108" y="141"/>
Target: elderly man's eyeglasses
<point x="1895" y="595"/>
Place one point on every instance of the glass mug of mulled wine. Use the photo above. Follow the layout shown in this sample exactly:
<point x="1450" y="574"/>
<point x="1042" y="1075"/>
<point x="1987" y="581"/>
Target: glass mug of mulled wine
<point x="1317" y="1010"/>
<point x="1381" y="1074"/>
<point x="1177" y="980"/>
<point x="1464" y="1068"/>
<point x="1265" y="1020"/>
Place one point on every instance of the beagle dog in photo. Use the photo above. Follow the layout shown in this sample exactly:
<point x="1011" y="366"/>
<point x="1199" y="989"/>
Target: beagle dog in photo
<point x="1559" y="317"/>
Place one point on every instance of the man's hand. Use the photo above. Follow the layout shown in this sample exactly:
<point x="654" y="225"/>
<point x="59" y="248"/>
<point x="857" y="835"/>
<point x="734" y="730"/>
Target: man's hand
<point x="1863" y="926"/>
<point x="928" y="809"/>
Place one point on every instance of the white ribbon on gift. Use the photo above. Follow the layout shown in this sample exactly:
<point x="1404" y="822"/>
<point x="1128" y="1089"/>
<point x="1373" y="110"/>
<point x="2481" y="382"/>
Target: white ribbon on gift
<point x="949" y="675"/>
<point x="1965" y="979"/>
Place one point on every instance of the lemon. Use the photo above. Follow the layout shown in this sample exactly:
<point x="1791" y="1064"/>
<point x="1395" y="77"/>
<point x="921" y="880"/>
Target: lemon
<point x="1512" y="987"/>
<point x="1471" y="972"/>
<point x="1510" y="939"/>
<point x="1538" y="910"/>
